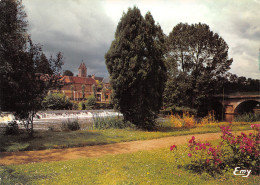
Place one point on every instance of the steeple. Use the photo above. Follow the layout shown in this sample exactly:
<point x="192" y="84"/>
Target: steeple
<point x="82" y="70"/>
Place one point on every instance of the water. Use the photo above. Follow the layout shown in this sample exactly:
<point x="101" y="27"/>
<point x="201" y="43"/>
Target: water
<point x="46" y="120"/>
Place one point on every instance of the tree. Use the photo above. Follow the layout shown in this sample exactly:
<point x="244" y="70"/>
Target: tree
<point x="68" y="73"/>
<point x="197" y="59"/>
<point x="137" y="70"/>
<point x="104" y="92"/>
<point x="94" y="90"/>
<point x="56" y="101"/>
<point x="83" y="91"/>
<point x="25" y="73"/>
<point x="72" y="91"/>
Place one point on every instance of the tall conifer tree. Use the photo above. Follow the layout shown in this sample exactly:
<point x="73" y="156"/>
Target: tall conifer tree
<point x="136" y="65"/>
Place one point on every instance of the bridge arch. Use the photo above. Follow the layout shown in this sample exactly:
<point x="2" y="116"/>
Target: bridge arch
<point x="246" y="106"/>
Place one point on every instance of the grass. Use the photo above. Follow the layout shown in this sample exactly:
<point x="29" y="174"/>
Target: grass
<point x="145" y="167"/>
<point x="50" y="140"/>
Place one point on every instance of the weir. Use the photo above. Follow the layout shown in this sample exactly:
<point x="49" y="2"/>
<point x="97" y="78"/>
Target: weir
<point x="53" y="119"/>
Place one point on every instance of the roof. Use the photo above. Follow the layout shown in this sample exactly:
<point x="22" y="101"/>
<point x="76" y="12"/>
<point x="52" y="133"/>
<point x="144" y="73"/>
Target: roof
<point x="82" y="65"/>
<point x="79" y="80"/>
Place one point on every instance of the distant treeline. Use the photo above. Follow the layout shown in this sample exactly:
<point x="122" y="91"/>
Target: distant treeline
<point x="235" y="84"/>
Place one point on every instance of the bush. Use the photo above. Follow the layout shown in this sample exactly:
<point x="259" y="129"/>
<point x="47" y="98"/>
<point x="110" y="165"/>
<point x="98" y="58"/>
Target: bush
<point x="110" y="122"/>
<point x="75" y="106"/>
<point x="70" y="125"/>
<point x="233" y="151"/>
<point x="56" y="101"/>
<point x="247" y="117"/>
<point x="209" y="119"/>
<point x="82" y="105"/>
<point x="12" y="128"/>
<point x="91" y="102"/>
<point x="187" y="120"/>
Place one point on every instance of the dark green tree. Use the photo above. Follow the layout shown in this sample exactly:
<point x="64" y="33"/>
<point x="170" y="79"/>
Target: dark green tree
<point x="197" y="61"/>
<point x="68" y="73"/>
<point x="137" y="70"/>
<point x="25" y="72"/>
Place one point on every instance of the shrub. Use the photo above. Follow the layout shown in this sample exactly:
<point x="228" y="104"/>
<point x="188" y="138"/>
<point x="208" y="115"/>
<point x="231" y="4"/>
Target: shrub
<point x="186" y="120"/>
<point x="245" y="148"/>
<point x="70" y="124"/>
<point x="110" y="122"/>
<point x="82" y="105"/>
<point x="209" y="119"/>
<point x="56" y="101"/>
<point x="233" y="151"/>
<point x="91" y="102"/>
<point x="205" y="157"/>
<point x="247" y="117"/>
<point x="12" y="128"/>
<point x="75" y="106"/>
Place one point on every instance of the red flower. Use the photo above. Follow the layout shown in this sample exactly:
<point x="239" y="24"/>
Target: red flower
<point x="172" y="147"/>
<point x="189" y="154"/>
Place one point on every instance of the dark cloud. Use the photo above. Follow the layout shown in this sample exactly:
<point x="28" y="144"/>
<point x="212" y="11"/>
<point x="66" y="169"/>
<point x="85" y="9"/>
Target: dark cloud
<point x="84" y="29"/>
<point x="79" y="29"/>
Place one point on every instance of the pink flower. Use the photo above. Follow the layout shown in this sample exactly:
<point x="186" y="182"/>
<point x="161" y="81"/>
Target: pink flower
<point x="207" y="161"/>
<point x="172" y="147"/>
<point x="189" y="154"/>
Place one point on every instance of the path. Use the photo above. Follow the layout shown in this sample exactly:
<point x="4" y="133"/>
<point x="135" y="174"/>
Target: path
<point x="7" y="158"/>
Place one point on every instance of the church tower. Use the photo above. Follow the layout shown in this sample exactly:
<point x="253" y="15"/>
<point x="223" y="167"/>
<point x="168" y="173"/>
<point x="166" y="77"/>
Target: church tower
<point x="82" y="70"/>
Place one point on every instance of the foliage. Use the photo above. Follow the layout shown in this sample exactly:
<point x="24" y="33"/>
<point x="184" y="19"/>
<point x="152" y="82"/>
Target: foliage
<point x="83" y="91"/>
<point x="94" y="90"/>
<point x="68" y="73"/>
<point x="12" y="128"/>
<point x="136" y="66"/>
<point x="75" y="106"/>
<point x="209" y="119"/>
<point x="247" y="117"/>
<point x="70" y="124"/>
<point x="246" y="148"/>
<point x="25" y="73"/>
<point x="240" y="85"/>
<point x="186" y="120"/>
<point x="82" y="105"/>
<point x="197" y="61"/>
<point x="56" y="101"/>
<point x="91" y="102"/>
<point x="233" y="151"/>
<point x="110" y="122"/>
<point x="99" y="86"/>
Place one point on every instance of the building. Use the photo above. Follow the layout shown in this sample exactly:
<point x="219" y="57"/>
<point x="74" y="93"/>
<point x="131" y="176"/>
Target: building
<point x="82" y="86"/>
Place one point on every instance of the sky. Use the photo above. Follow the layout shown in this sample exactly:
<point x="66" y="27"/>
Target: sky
<point x="84" y="29"/>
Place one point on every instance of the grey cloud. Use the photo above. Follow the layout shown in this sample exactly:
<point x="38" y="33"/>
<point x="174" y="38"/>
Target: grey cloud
<point x="79" y="29"/>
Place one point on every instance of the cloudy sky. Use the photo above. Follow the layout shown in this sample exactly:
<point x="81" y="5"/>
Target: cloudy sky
<point x="84" y="29"/>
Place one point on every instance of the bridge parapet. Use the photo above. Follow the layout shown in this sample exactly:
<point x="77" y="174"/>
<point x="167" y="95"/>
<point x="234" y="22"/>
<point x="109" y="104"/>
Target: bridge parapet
<point x="231" y="102"/>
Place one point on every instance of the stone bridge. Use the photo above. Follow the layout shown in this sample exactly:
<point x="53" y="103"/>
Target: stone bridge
<point x="240" y="103"/>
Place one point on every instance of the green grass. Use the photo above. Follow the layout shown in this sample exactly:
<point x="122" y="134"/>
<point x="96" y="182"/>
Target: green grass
<point x="50" y="140"/>
<point x="145" y="167"/>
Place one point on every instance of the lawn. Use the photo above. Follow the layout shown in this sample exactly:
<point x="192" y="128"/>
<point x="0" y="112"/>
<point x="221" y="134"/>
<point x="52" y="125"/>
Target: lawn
<point x="49" y="139"/>
<point x="146" y="167"/>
